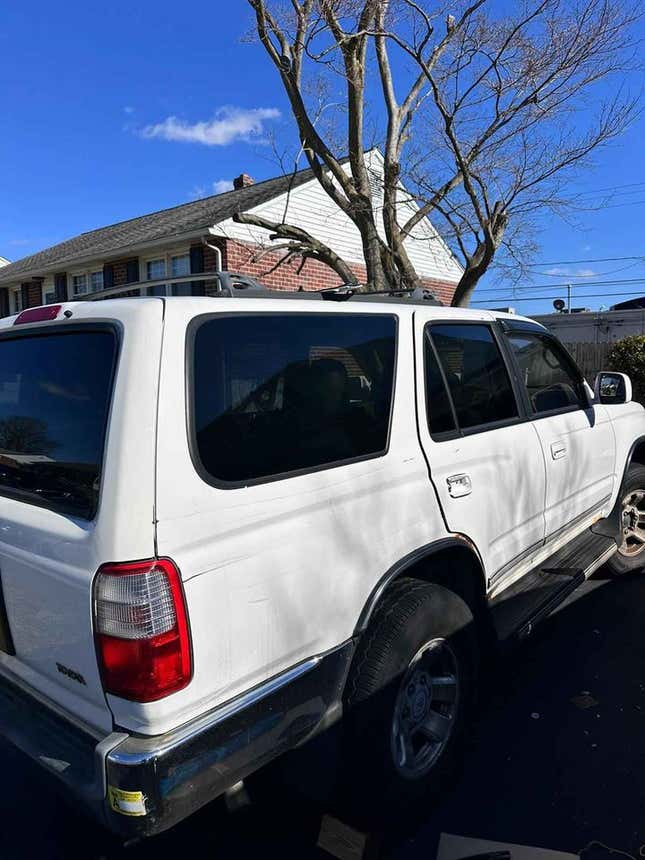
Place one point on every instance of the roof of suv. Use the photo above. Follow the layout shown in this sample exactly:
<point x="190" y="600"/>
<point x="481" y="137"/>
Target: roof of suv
<point x="112" y="308"/>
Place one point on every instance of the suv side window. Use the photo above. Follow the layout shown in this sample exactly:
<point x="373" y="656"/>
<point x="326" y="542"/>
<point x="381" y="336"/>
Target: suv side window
<point x="550" y="377"/>
<point x="478" y="383"/>
<point x="441" y="417"/>
<point x="277" y="393"/>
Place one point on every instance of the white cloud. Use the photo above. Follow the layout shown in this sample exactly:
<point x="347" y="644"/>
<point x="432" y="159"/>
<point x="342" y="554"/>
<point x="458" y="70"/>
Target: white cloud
<point x="229" y="124"/>
<point x="128" y="109"/>
<point x="222" y="185"/>
<point x="217" y="187"/>
<point x="569" y="273"/>
<point x="586" y="248"/>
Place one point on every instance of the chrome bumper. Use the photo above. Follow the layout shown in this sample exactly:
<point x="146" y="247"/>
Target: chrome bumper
<point x="138" y="786"/>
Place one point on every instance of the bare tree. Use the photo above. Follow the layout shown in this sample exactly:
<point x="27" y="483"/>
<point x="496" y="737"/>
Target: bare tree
<point x="480" y="117"/>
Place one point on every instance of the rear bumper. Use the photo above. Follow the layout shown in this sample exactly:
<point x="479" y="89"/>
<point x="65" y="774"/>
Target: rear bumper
<point x="139" y="786"/>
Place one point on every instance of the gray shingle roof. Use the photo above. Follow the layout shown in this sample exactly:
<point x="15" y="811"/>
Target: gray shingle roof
<point x="186" y="218"/>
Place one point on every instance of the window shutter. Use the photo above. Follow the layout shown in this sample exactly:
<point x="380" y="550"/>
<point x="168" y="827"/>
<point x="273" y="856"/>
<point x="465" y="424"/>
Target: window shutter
<point x="4" y="303"/>
<point x="24" y="295"/>
<point x="132" y="271"/>
<point x="196" y="259"/>
<point x="108" y="276"/>
<point x="60" y="287"/>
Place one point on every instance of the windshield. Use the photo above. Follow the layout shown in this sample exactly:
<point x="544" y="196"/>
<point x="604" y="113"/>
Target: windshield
<point x="54" y="399"/>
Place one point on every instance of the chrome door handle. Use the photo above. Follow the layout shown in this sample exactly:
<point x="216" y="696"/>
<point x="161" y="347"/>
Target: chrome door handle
<point x="459" y="485"/>
<point x="558" y="450"/>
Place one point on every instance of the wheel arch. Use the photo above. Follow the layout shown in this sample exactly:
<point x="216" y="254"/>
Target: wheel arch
<point x="636" y="454"/>
<point x="451" y="562"/>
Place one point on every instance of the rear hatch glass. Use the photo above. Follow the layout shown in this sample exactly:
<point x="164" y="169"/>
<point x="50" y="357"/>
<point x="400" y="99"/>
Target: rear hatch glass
<point x="55" y="390"/>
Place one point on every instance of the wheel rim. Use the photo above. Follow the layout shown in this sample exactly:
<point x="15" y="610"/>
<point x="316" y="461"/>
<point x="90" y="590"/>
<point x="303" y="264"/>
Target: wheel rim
<point x="425" y="710"/>
<point x="633" y="524"/>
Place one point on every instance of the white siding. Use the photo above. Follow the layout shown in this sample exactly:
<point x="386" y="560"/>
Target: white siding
<point x="311" y="208"/>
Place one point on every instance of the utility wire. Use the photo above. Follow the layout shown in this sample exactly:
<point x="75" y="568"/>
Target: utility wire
<point x="577" y="297"/>
<point x="594" y="260"/>
<point x="614" y="283"/>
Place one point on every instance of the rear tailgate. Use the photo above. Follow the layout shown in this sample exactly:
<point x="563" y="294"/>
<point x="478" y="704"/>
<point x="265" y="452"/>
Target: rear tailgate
<point x="77" y="419"/>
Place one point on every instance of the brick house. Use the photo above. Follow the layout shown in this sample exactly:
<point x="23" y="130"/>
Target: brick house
<point x="174" y="250"/>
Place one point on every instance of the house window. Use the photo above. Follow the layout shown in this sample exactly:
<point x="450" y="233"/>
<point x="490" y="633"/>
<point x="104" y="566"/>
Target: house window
<point x="79" y="284"/>
<point x="96" y="281"/>
<point x="16" y="301"/>
<point x="180" y="265"/>
<point x="155" y="269"/>
<point x="159" y="290"/>
<point x="50" y="296"/>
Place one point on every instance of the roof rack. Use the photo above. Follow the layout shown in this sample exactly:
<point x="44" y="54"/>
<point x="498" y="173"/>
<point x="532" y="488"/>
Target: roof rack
<point x="233" y="284"/>
<point x="409" y="294"/>
<point x="238" y="285"/>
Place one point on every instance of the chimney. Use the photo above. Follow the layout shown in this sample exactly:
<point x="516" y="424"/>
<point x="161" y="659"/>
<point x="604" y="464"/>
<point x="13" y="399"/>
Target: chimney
<point x="242" y="181"/>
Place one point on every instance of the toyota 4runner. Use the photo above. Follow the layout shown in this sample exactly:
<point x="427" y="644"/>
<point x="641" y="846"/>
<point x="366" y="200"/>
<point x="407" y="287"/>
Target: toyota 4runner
<point x="227" y="524"/>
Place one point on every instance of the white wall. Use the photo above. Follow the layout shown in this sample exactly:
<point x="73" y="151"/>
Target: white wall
<point x="594" y="327"/>
<point x="309" y="207"/>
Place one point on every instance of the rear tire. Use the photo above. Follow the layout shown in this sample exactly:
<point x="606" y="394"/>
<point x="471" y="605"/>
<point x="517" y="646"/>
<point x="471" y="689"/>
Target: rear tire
<point x="408" y="696"/>
<point x="631" y="552"/>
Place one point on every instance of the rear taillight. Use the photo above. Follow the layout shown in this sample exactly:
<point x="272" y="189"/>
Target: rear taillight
<point x="142" y="634"/>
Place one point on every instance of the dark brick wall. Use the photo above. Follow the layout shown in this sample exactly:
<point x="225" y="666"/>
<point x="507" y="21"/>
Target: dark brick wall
<point x="239" y="257"/>
<point x="121" y="271"/>
<point x="32" y="293"/>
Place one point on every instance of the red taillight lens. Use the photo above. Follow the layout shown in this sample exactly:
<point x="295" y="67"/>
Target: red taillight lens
<point x="142" y="634"/>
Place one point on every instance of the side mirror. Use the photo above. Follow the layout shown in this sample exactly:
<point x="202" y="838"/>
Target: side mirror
<point x="612" y="388"/>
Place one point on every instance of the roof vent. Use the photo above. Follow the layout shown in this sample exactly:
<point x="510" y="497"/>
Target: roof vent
<point x="242" y="181"/>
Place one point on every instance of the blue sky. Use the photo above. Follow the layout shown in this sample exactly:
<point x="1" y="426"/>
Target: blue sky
<point x="92" y="92"/>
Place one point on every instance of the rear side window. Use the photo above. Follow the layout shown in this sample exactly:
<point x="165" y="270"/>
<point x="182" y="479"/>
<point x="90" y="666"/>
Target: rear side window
<point x="477" y="379"/>
<point x="55" y="392"/>
<point x="438" y="407"/>
<point x="280" y="393"/>
<point x="550" y="377"/>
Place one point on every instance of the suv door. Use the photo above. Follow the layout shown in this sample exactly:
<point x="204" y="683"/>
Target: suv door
<point x="576" y="435"/>
<point x="485" y="459"/>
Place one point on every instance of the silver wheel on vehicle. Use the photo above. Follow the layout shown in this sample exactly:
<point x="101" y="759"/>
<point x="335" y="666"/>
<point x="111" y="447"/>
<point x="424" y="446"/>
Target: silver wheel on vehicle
<point x="425" y="710"/>
<point x="633" y="524"/>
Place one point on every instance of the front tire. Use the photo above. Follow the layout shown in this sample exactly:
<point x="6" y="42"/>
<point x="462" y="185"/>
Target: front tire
<point x="407" y="699"/>
<point x="631" y="552"/>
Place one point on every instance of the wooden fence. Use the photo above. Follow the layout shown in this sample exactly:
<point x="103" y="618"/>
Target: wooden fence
<point x="590" y="358"/>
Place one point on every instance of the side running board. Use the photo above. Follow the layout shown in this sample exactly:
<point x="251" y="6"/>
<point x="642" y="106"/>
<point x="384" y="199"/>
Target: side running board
<point x="519" y="607"/>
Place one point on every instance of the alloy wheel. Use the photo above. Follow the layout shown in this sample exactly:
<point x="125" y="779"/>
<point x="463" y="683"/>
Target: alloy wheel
<point x="633" y="524"/>
<point x="425" y="710"/>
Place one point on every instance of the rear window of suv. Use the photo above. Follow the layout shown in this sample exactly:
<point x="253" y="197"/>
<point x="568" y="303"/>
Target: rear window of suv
<point x="274" y="394"/>
<point x="55" y="392"/>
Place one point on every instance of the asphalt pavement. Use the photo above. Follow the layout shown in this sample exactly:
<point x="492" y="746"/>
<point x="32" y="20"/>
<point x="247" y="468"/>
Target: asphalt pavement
<point x="556" y="759"/>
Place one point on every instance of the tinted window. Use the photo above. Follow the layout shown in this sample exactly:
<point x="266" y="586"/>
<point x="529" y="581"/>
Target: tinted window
<point x="479" y="384"/>
<point x="277" y="393"/>
<point x="547" y="372"/>
<point x="54" y="398"/>
<point x="440" y="416"/>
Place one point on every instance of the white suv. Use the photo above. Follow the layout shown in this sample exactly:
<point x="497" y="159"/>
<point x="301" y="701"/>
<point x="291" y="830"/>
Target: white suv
<point x="226" y="522"/>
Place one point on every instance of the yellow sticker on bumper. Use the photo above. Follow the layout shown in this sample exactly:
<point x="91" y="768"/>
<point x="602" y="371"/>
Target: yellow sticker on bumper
<point x="126" y="802"/>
